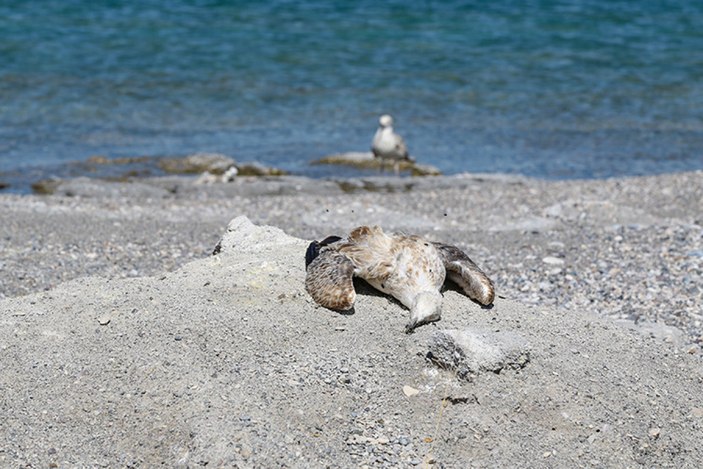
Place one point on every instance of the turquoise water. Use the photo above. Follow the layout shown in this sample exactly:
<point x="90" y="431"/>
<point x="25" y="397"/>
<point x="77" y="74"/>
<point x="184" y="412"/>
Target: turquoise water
<point x="554" y="89"/>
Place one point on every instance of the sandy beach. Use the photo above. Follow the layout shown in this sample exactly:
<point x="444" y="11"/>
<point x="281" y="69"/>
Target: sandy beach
<point x="129" y="344"/>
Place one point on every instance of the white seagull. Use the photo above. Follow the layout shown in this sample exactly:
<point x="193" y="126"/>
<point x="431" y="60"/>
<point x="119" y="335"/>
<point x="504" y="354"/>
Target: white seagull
<point x="388" y="145"/>
<point x="409" y="268"/>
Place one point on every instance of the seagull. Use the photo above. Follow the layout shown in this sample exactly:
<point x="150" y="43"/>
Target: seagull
<point x="409" y="268"/>
<point x="388" y="145"/>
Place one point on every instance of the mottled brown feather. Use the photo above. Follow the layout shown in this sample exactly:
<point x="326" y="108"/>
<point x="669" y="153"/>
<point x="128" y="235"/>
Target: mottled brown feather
<point x="329" y="280"/>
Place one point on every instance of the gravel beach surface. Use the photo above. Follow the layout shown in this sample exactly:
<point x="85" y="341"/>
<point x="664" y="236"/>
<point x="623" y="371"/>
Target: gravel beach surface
<point x="227" y="362"/>
<point x="127" y="343"/>
<point x="629" y="249"/>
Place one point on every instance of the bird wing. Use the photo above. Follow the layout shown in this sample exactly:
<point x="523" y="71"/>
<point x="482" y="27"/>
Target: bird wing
<point x="465" y="273"/>
<point x="329" y="280"/>
<point x="400" y="147"/>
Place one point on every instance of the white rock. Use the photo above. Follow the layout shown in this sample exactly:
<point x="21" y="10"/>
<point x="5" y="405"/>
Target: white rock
<point x="206" y="178"/>
<point x="105" y="319"/>
<point x="551" y="260"/>
<point x="469" y="352"/>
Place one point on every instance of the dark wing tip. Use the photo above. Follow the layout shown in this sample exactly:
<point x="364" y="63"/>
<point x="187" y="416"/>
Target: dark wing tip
<point x="329" y="240"/>
<point x="314" y="248"/>
<point x="312" y="252"/>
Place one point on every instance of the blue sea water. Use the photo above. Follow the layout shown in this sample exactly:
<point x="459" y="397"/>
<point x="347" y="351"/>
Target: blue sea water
<point x="553" y="89"/>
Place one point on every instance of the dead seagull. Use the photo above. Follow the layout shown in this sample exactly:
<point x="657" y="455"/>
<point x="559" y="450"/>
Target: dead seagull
<point x="388" y="145"/>
<point x="409" y="268"/>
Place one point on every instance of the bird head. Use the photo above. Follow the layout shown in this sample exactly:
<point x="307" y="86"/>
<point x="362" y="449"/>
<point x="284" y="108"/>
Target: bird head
<point x="385" y="120"/>
<point x="427" y="308"/>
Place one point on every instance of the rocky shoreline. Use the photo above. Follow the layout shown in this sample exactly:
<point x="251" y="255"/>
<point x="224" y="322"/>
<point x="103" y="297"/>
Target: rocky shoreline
<point x="626" y="248"/>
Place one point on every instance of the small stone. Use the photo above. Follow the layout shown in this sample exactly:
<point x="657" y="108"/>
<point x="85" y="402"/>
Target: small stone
<point x="697" y="412"/>
<point x="246" y="452"/>
<point x="654" y="432"/>
<point x="551" y="260"/>
<point x="104" y="320"/>
<point x="410" y="391"/>
<point x="206" y="178"/>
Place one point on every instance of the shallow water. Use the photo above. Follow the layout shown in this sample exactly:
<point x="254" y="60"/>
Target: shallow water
<point x="551" y="89"/>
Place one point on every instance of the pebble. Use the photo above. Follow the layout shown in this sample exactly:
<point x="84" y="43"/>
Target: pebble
<point x="410" y="391"/>
<point x="654" y="432"/>
<point x="552" y="260"/>
<point x="104" y="320"/>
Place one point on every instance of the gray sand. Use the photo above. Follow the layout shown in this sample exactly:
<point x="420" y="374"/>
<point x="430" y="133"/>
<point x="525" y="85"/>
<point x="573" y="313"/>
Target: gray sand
<point x="226" y="361"/>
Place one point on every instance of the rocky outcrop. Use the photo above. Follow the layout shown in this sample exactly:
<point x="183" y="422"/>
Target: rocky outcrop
<point x="197" y="163"/>
<point x="366" y="160"/>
